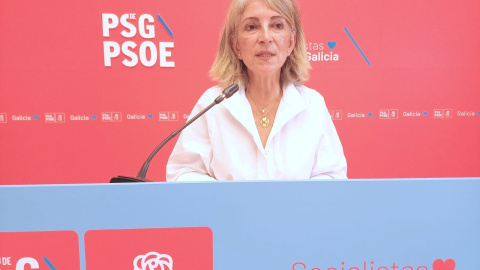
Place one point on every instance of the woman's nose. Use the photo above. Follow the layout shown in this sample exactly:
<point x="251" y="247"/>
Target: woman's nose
<point x="265" y="35"/>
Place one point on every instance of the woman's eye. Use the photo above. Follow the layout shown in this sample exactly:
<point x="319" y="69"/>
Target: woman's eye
<point x="250" y="27"/>
<point x="278" y="25"/>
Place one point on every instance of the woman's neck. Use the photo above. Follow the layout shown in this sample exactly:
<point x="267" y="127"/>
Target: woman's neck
<point x="264" y="89"/>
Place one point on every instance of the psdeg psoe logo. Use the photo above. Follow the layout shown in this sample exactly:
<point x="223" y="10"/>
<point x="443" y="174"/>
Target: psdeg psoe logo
<point x="168" y="116"/>
<point x="55" y="118"/>
<point x="153" y="260"/>
<point x="39" y="250"/>
<point x="111" y="117"/>
<point x="148" y="53"/>
<point x="438" y="264"/>
<point x="3" y="118"/>
<point x="24" y="263"/>
<point x="442" y="113"/>
<point x="388" y="114"/>
<point x="336" y="114"/>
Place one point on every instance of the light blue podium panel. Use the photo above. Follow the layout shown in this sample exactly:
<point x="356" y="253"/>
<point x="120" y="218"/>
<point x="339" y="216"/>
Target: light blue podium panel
<point x="326" y="225"/>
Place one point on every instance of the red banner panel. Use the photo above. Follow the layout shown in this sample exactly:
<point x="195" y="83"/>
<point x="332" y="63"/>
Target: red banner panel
<point x="88" y="89"/>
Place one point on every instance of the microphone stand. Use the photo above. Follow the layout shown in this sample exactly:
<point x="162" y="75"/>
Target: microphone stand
<point x="228" y="92"/>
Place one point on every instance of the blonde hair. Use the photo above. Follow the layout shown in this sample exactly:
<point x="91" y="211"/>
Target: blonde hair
<point x="228" y="69"/>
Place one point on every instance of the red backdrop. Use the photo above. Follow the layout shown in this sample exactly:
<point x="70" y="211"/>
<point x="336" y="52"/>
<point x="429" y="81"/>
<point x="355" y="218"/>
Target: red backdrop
<point x="406" y="101"/>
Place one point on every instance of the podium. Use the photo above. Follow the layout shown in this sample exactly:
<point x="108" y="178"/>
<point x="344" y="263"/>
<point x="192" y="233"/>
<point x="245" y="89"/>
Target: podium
<point x="299" y="225"/>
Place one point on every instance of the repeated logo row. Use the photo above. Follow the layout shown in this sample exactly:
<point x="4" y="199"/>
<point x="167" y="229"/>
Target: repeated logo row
<point x="61" y="118"/>
<point x="174" y="116"/>
<point x="394" y="114"/>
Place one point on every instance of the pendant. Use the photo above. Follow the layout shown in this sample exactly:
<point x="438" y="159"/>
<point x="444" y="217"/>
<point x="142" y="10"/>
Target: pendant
<point x="264" y="122"/>
<point x="264" y="109"/>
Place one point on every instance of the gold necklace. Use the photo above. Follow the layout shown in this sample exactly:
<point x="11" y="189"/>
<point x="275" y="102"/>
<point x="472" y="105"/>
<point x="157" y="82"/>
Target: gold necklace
<point x="265" y="120"/>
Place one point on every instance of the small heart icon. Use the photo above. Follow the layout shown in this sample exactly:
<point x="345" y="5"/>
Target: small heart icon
<point x="479" y="113"/>
<point x="370" y="114"/>
<point x="439" y="264"/>
<point x="331" y="44"/>
<point x="94" y="117"/>
<point x="150" y="115"/>
<point x="425" y="113"/>
<point x="35" y="117"/>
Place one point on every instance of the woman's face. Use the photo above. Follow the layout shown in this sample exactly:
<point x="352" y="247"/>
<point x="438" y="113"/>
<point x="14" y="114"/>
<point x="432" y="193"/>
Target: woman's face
<point x="264" y="39"/>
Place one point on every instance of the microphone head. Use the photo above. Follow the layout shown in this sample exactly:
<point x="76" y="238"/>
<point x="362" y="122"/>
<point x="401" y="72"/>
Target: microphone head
<point x="229" y="91"/>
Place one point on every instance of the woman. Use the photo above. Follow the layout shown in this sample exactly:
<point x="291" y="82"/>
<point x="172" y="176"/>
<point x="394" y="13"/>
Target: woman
<point x="274" y="127"/>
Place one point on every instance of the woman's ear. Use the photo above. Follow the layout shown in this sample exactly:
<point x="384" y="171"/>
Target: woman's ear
<point x="235" y="48"/>
<point x="293" y="41"/>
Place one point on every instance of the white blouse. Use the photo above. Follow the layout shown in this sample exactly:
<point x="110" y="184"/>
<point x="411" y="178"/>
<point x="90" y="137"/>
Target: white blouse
<point x="224" y="144"/>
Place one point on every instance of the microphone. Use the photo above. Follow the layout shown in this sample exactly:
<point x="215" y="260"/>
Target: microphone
<point x="226" y="93"/>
